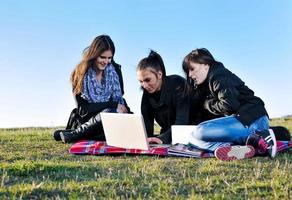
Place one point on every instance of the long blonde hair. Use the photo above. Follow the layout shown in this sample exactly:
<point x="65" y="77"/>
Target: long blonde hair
<point x="99" y="45"/>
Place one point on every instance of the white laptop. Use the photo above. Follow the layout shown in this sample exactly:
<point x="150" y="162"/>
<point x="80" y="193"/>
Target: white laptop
<point x="124" y="130"/>
<point x="182" y="133"/>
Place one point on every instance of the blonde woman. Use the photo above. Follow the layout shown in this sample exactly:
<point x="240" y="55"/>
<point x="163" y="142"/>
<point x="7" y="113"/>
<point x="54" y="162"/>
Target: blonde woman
<point x="97" y="86"/>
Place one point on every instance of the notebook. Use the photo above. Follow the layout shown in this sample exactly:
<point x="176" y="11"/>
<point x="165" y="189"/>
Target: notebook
<point x="125" y="130"/>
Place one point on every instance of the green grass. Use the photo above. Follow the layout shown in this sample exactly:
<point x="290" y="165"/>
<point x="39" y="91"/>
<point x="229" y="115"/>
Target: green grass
<point x="34" y="166"/>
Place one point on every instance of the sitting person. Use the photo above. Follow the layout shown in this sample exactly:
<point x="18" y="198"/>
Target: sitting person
<point x="164" y="98"/>
<point x="98" y="87"/>
<point x="242" y="117"/>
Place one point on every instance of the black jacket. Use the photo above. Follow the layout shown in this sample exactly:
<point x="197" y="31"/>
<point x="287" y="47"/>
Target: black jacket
<point x="168" y="107"/>
<point x="224" y="94"/>
<point x="86" y="110"/>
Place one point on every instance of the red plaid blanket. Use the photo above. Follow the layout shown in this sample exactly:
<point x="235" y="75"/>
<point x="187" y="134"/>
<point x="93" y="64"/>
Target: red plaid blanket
<point x="91" y="147"/>
<point x="100" y="147"/>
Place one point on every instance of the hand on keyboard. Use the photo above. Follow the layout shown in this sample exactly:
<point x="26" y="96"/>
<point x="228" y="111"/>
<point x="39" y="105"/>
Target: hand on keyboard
<point x="154" y="140"/>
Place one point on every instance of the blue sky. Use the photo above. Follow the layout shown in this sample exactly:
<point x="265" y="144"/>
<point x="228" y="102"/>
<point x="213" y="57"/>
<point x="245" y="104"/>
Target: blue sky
<point x="42" y="41"/>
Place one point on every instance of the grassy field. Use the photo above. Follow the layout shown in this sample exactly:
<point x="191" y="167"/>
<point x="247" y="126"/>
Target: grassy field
<point x="34" y="166"/>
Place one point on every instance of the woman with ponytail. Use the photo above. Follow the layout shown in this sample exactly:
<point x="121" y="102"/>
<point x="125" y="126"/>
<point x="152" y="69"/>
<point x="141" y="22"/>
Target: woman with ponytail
<point x="98" y="87"/>
<point x="164" y="98"/>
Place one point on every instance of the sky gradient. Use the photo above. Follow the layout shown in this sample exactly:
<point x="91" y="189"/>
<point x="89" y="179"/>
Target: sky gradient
<point x="42" y="42"/>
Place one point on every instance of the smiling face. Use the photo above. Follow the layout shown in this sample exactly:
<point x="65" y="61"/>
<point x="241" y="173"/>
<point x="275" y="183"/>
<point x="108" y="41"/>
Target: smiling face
<point x="198" y="72"/>
<point x="104" y="59"/>
<point x="150" y="81"/>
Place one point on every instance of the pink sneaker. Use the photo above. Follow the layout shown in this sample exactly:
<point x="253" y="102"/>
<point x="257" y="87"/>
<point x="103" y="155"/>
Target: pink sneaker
<point x="264" y="142"/>
<point x="234" y="152"/>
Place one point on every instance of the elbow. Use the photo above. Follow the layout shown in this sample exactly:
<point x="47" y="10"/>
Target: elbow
<point x="231" y="109"/>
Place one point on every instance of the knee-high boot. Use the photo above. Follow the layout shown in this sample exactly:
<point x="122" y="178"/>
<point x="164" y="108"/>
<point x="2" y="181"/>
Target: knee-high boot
<point x="88" y="128"/>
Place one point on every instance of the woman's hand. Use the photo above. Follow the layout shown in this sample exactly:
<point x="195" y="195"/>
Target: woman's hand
<point x="122" y="108"/>
<point x="154" y="140"/>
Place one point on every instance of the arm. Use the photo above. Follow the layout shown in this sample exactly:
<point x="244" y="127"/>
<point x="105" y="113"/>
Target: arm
<point x="196" y="107"/>
<point x="119" y="73"/>
<point x="182" y="107"/>
<point x="119" y="91"/>
<point x="86" y="108"/>
<point x="127" y="107"/>
<point x="226" y="97"/>
<point x="147" y="115"/>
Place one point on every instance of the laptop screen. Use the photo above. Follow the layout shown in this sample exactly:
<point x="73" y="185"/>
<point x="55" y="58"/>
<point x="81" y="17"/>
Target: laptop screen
<point x="124" y="130"/>
<point x="182" y="134"/>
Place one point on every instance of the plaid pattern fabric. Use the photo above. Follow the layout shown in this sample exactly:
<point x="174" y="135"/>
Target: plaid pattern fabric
<point x="100" y="148"/>
<point x="92" y="147"/>
<point x="284" y="145"/>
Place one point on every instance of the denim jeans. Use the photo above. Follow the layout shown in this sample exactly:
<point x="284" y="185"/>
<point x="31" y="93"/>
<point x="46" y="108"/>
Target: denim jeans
<point x="225" y="131"/>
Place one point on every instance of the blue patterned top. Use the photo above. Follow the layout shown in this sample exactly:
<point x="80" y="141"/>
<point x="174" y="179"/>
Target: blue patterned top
<point x="109" y="87"/>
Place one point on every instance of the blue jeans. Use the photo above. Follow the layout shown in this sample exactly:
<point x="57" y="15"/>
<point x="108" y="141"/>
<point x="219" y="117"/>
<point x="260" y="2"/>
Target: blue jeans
<point x="225" y="131"/>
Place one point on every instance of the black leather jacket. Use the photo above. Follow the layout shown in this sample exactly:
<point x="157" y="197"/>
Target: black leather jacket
<point x="224" y="94"/>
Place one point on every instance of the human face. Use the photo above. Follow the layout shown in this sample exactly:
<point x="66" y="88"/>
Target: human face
<point x="149" y="80"/>
<point x="198" y="72"/>
<point x="104" y="59"/>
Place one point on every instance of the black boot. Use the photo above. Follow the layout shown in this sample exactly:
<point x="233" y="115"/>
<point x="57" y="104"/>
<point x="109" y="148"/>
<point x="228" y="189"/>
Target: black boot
<point x="88" y="128"/>
<point x="56" y="135"/>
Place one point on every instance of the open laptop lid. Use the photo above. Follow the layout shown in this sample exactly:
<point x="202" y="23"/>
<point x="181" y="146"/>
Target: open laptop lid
<point x="124" y="130"/>
<point x="182" y="134"/>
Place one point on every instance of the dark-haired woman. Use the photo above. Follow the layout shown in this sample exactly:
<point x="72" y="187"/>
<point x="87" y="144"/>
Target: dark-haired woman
<point x="220" y="92"/>
<point x="97" y="86"/>
<point x="164" y="98"/>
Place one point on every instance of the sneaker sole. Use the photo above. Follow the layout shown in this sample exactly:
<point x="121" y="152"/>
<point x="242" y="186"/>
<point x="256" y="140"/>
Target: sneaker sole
<point x="62" y="137"/>
<point x="234" y="152"/>
<point x="274" y="147"/>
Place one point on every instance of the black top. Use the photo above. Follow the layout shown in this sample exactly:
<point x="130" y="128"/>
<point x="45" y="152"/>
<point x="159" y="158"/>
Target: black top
<point x="224" y="94"/>
<point x="87" y="110"/>
<point x="168" y="107"/>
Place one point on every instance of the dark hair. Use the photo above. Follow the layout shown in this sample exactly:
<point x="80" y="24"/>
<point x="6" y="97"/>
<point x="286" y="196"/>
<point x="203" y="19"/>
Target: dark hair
<point x="153" y="61"/>
<point x="200" y="56"/>
<point x="99" y="45"/>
